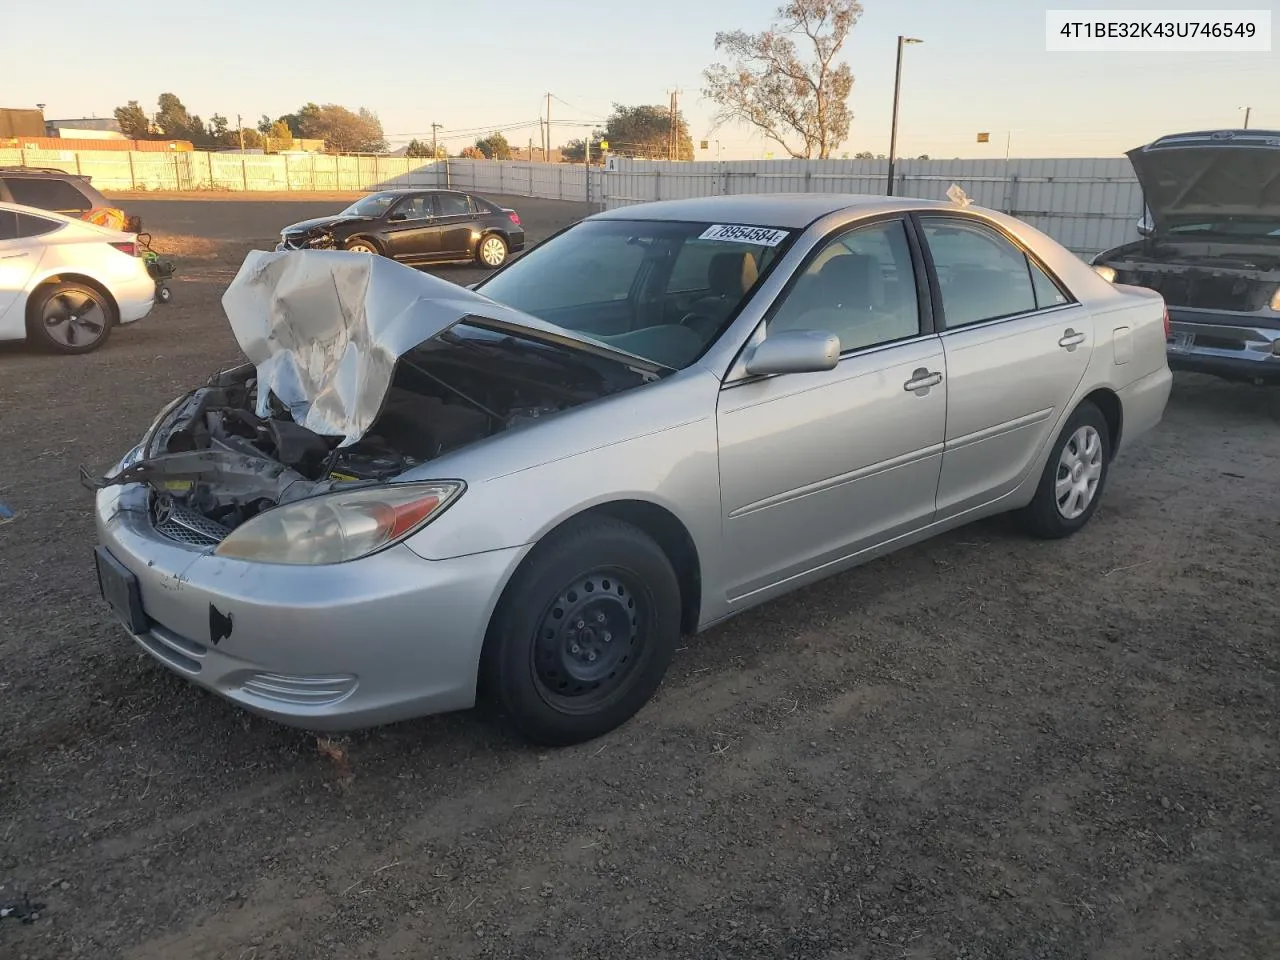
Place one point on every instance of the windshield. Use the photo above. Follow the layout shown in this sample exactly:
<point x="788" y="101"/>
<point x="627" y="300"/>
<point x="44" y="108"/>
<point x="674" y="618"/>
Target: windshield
<point x="374" y="205"/>
<point x="663" y="291"/>
<point x="1230" y="227"/>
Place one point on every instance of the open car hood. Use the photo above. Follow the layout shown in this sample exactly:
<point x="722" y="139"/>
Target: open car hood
<point x="324" y="328"/>
<point x="1227" y="174"/>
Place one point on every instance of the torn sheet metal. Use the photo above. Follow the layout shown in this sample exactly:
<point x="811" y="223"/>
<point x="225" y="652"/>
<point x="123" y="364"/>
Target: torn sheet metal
<point x="324" y="329"/>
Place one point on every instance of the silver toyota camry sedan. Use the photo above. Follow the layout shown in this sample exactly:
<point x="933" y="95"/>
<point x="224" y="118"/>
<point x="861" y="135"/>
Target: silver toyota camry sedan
<point x="414" y="494"/>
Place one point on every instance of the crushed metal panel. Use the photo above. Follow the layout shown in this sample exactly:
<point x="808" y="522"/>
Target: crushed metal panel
<point x="324" y="329"/>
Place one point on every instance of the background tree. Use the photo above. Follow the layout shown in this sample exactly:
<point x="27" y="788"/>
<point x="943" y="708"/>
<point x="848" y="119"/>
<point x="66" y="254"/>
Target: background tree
<point x="494" y="147"/>
<point x="277" y="136"/>
<point x="342" y="130"/>
<point x="175" y="121"/>
<point x="575" y="151"/>
<point x="644" y="131"/>
<point x="768" y="86"/>
<point x="264" y="124"/>
<point x="133" y="120"/>
<point x="471" y="153"/>
<point x="417" y="148"/>
<point x="218" y="128"/>
<point x="864" y="155"/>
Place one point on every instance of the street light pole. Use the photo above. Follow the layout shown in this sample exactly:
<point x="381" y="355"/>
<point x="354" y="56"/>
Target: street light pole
<point x="897" y="88"/>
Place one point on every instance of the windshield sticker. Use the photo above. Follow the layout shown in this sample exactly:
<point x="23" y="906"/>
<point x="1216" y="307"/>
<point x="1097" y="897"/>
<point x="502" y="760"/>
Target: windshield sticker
<point x="764" y="236"/>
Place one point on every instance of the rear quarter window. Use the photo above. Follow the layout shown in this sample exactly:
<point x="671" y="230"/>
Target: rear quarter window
<point x="48" y="194"/>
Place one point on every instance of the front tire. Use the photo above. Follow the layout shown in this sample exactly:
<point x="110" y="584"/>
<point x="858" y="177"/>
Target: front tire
<point x="584" y="633"/>
<point x="70" y="317"/>
<point x="361" y="245"/>
<point x="492" y="251"/>
<point x="1074" y="477"/>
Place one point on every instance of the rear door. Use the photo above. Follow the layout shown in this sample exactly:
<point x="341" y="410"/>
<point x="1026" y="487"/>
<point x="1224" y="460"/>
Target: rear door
<point x="1017" y="346"/>
<point x="20" y="254"/>
<point x="456" y="220"/>
<point x="410" y="229"/>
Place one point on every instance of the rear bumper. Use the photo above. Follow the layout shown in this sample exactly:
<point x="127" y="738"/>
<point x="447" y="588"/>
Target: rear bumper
<point x="1143" y="403"/>
<point x="1223" y="344"/>
<point x="135" y="297"/>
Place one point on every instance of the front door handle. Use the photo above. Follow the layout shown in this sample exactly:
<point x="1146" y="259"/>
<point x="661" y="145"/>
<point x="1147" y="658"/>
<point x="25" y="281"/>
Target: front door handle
<point x="13" y="256"/>
<point x="1071" y="339"/>
<point x="922" y="379"/>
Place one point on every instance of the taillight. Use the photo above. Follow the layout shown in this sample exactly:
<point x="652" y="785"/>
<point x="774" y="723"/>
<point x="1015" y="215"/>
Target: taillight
<point x="128" y="247"/>
<point x="1168" y="329"/>
<point x="515" y="217"/>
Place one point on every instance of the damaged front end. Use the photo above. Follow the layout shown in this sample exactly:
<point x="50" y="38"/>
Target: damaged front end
<point x="361" y="371"/>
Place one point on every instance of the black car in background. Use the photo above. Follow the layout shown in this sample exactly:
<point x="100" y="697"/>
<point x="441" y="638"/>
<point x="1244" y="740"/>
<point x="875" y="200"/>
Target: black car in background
<point x="415" y="227"/>
<point x="1211" y="247"/>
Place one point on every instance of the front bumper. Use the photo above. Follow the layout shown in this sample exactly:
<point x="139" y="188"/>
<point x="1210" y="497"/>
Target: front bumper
<point x="340" y="647"/>
<point x="1223" y="344"/>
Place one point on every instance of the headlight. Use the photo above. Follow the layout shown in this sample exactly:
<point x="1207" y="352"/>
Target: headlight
<point x="1106" y="273"/>
<point x="1275" y="300"/>
<point x="337" y="527"/>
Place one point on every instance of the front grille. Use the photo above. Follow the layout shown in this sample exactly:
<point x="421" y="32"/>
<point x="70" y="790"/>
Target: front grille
<point x="1199" y="291"/>
<point x="184" y="525"/>
<point x="294" y="241"/>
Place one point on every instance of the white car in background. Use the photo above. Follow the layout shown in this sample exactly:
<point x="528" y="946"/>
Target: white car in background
<point x="65" y="283"/>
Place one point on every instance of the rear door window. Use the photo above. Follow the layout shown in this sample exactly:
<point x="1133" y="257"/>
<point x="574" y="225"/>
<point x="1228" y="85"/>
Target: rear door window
<point x="29" y="226"/>
<point x="48" y="194"/>
<point x="453" y="205"/>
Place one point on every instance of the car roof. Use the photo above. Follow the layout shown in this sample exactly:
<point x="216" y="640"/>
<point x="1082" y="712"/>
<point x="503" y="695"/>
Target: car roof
<point x="41" y="172"/>
<point x="790" y="210"/>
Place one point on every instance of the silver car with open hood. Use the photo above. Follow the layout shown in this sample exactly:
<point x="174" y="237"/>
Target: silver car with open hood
<point x="1211" y="249"/>
<point x="413" y="493"/>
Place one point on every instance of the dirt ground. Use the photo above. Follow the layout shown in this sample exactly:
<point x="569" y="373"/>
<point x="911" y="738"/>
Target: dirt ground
<point x="982" y="747"/>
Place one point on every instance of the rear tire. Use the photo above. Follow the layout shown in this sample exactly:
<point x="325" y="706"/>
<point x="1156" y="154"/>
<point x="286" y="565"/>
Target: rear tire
<point x="584" y="632"/>
<point x="70" y="317"/>
<point x="492" y="251"/>
<point x="1074" y="477"/>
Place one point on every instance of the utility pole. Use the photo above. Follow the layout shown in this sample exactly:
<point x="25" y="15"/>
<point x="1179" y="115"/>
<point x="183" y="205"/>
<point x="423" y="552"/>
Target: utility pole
<point x="673" y="129"/>
<point x="240" y="130"/>
<point x="1247" y="111"/>
<point x="434" y="151"/>
<point x="546" y="144"/>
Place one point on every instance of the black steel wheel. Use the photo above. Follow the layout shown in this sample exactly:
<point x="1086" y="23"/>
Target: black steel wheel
<point x="164" y="294"/>
<point x="584" y="633"/>
<point x="70" y="317"/>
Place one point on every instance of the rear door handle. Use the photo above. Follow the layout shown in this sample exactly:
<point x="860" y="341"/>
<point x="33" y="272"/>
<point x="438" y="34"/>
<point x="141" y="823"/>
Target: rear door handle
<point x="13" y="256"/>
<point x="1071" y="339"/>
<point x="922" y="379"/>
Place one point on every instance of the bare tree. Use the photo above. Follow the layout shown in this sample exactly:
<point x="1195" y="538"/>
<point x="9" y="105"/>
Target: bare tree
<point x="768" y="86"/>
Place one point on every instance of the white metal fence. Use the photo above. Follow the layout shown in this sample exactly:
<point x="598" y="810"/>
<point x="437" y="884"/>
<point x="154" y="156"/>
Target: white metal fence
<point x="1086" y="204"/>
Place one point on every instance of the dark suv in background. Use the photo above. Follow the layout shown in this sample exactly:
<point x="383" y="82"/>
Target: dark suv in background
<point x="1211" y="247"/>
<point x="47" y="189"/>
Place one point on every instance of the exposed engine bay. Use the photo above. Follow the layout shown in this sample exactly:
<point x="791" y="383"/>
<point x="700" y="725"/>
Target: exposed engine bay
<point x="210" y="453"/>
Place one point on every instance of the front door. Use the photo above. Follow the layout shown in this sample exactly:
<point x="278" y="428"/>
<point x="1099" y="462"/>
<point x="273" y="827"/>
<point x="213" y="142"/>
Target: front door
<point x="456" y="221"/>
<point x="411" y="229"/>
<point x="817" y="467"/>
<point x="1017" y="346"/>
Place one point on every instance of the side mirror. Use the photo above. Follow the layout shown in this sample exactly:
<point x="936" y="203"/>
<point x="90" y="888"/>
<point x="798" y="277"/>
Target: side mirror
<point x="1145" y="227"/>
<point x="794" y="351"/>
<point x="398" y="216"/>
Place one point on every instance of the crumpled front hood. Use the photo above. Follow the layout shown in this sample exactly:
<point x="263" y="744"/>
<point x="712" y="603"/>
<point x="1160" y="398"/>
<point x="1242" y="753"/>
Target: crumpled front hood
<point x="1194" y="176"/>
<point x="324" y="329"/>
<point x="306" y="226"/>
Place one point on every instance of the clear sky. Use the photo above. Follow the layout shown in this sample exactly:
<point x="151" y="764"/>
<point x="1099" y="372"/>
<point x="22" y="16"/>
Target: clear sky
<point x="982" y="67"/>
